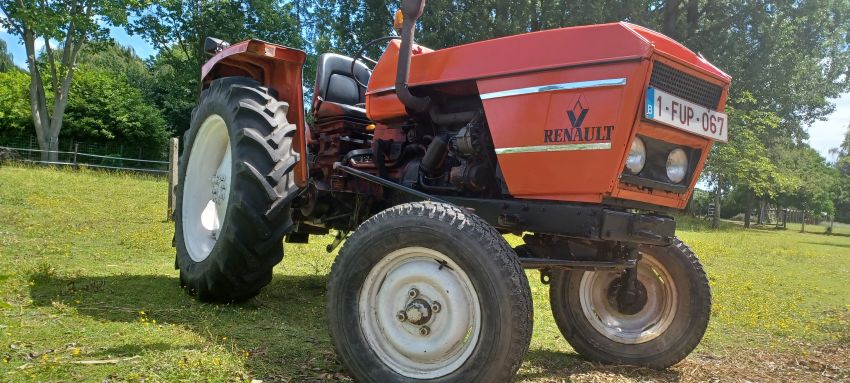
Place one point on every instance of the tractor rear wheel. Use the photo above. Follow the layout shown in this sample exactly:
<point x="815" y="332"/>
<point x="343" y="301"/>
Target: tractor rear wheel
<point x="657" y="326"/>
<point x="428" y="292"/>
<point x="234" y="190"/>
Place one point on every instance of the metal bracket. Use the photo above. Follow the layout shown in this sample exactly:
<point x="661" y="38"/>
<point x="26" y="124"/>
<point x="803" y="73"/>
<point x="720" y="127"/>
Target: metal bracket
<point x="388" y="183"/>
<point x="340" y="236"/>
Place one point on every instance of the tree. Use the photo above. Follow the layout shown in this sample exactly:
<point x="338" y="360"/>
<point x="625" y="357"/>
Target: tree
<point x="6" y="62"/>
<point x="104" y="108"/>
<point x="744" y="164"/>
<point x="842" y="185"/>
<point x="120" y="60"/>
<point x="811" y="181"/>
<point x="72" y="23"/>
<point x="14" y="111"/>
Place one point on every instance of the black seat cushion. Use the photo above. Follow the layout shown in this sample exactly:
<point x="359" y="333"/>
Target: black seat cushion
<point x="334" y="81"/>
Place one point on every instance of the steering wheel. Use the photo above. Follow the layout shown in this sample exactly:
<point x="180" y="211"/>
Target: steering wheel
<point x="361" y="56"/>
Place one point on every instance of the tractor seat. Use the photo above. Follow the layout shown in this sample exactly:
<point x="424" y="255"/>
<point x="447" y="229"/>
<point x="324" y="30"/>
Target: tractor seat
<point x="337" y="95"/>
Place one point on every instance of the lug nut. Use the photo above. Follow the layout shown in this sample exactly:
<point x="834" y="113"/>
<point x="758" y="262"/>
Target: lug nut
<point x="424" y="330"/>
<point x="401" y="316"/>
<point x="413" y="293"/>
<point x="435" y="306"/>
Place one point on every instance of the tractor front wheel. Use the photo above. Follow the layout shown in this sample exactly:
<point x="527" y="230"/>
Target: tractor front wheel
<point x="427" y="292"/>
<point x="234" y="190"/>
<point x="655" y="324"/>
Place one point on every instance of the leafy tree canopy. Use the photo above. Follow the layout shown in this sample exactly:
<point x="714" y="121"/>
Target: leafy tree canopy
<point x="6" y="61"/>
<point x="15" y="115"/>
<point x="104" y="107"/>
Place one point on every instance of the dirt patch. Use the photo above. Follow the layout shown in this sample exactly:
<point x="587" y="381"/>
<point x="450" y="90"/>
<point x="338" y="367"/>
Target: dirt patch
<point x="825" y="364"/>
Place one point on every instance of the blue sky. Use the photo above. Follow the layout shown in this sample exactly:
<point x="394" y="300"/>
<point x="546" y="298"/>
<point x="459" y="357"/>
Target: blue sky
<point x="824" y="135"/>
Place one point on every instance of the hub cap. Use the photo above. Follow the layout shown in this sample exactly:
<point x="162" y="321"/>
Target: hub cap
<point x="634" y="319"/>
<point x="206" y="188"/>
<point x="420" y="313"/>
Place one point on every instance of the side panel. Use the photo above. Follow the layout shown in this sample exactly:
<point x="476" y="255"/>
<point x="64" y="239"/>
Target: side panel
<point x="507" y="56"/>
<point x="561" y="134"/>
<point x="275" y="66"/>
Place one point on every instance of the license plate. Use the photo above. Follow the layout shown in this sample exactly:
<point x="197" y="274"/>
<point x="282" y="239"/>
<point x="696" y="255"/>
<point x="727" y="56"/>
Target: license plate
<point x="685" y="115"/>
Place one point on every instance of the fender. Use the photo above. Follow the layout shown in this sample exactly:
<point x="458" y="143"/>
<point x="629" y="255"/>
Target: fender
<point x="276" y="67"/>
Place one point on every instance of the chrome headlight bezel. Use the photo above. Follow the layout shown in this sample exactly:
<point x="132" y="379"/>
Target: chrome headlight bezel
<point x="677" y="165"/>
<point x="636" y="160"/>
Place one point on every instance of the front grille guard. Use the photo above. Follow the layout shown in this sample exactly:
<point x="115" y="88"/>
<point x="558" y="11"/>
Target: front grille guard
<point x="683" y="85"/>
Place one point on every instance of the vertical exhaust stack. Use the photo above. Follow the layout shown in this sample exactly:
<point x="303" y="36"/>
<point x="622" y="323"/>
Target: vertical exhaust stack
<point x="411" y="10"/>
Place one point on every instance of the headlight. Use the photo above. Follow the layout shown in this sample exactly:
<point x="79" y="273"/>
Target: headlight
<point x="637" y="156"/>
<point x="677" y="165"/>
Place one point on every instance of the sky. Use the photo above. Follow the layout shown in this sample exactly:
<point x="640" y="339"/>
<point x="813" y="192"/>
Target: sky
<point x="824" y="135"/>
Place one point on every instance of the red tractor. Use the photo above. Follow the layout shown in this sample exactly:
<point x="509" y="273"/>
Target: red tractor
<point x="581" y="140"/>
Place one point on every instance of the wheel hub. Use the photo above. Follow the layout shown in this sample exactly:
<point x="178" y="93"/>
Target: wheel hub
<point x="628" y="300"/>
<point x="418" y="312"/>
<point x="629" y="315"/>
<point x="219" y="188"/>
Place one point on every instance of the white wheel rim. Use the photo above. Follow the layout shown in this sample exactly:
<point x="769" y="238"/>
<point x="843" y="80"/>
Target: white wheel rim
<point x="454" y="328"/>
<point x="645" y="325"/>
<point x="206" y="188"/>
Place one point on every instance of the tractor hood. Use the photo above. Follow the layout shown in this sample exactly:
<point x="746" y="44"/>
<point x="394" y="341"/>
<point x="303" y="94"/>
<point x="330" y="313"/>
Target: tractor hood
<point x="537" y="51"/>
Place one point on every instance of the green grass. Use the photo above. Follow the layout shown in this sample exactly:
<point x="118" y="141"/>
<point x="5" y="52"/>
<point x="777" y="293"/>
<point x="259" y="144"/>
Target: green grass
<point x="86" y="273"/>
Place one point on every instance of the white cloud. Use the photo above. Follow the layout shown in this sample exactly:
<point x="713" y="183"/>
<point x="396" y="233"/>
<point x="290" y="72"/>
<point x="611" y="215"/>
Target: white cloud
<point x="825" y="135"/>
<point x="38" y="43"/>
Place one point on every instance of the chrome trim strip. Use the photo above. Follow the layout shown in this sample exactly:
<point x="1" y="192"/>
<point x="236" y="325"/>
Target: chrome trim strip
<point x="555" y="148"/>
<point x="555" y="87"/>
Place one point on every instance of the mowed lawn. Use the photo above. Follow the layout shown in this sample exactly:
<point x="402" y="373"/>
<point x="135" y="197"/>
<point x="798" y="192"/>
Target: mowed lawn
<point x="89" y="293"/>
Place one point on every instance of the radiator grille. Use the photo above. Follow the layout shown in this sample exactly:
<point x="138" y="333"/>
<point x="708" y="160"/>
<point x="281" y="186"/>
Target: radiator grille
<point x="685" y="86"/>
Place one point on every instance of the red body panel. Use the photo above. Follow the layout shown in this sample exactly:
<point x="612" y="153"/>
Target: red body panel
<point x="276" y="67"/>
<point x="562" y="56"/>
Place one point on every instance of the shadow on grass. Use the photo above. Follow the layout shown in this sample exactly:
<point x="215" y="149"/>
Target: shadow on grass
<point x="846" y="246"/>
<point x="283" y="328"/>
<point x="833" y="234"/>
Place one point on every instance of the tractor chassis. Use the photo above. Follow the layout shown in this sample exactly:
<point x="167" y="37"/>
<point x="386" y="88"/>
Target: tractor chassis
<point x="617" y="233"/>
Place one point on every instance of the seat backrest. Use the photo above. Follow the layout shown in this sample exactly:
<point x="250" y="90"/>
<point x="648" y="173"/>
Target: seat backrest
<point x="334" y="82"/>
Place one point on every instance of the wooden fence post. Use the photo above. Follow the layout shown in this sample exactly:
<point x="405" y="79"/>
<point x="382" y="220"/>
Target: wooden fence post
<point x="76" y="150"/>
<point x="173" y="155"/>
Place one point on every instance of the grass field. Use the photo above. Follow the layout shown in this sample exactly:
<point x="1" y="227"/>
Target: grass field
<point x="89" y="293"/>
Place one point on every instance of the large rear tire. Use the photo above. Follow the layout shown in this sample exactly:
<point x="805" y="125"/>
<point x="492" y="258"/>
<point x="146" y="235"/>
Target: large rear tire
<point x="234" y="191"/>
<point x="658" y="329"/>
<point x="427" y="292"/>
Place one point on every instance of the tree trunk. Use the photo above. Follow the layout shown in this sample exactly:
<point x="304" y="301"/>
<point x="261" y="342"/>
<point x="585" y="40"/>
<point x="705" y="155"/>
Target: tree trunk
<point x="803" y="228"/>
<point x="762" y="208"/>
<point x="671" y="16"/>
<point x="38" y="100"/>
<point x="692" y="16"/>
<point x="715" y="221"/>
<point x="748" y="212"/>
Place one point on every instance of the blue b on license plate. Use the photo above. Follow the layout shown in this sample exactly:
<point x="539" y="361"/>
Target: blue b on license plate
<point x="679" y="113"/>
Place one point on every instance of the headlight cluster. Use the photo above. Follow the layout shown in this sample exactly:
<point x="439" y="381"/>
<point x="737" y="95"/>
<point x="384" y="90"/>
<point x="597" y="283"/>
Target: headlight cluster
<point x="676" y="168"/>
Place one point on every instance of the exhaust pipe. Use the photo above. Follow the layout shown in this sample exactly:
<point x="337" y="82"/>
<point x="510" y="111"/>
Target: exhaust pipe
<point x="412" y="11"/>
